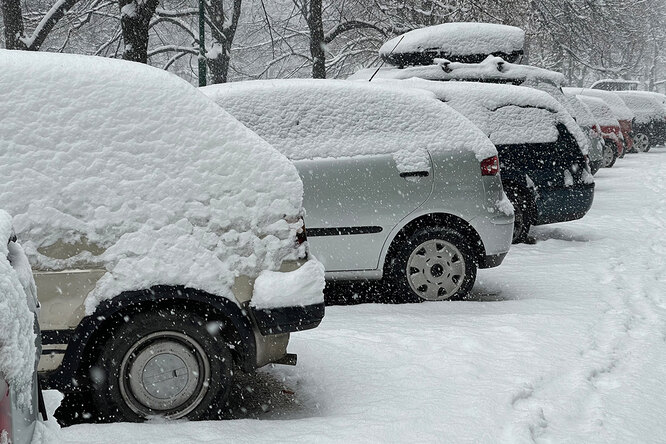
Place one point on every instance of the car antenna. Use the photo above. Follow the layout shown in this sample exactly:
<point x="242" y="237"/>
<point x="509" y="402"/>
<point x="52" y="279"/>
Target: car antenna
<point x="383" y="59"/>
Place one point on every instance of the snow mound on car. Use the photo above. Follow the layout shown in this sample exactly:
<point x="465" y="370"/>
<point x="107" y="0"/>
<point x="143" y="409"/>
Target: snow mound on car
<point x="310" y="119"/>
<point x="17" y="337"/>
<point x="616" y="104"/>
<point x="136" y="161"/>
<point x="506" y="114"/>
<point x="492" y="68"/>
<point x="452" y="39"/>
<point x="600" y="110"/>
<point x="646" y="107"/>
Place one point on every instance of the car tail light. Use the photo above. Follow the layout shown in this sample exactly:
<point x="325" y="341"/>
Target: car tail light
<point x="490" y="166"/>
<point x="301" y="235"/>
<point x="5" y="413"/>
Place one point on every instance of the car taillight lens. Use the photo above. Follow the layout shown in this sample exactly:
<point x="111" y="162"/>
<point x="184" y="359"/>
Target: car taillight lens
<point x="301" y="235"/>
<point x="490" y="166"/>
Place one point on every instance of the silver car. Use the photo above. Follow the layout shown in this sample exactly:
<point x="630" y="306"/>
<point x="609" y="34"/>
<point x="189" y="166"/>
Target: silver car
<point x="396" y="184"/>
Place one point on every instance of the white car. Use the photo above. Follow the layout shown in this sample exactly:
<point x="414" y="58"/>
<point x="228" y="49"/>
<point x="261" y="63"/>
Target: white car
<point x="397" y="185"/>
<point x="19" y="341"/>
<point x="166" y="238"/>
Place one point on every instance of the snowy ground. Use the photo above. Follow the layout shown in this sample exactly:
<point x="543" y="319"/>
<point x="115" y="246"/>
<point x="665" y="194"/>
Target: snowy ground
<point x="565" y="342"/>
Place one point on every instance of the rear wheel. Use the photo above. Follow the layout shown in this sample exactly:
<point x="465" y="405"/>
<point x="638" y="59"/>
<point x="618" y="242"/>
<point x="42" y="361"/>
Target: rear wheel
<point x="162" y="364"/>
<point x="610" y="155"/>
<point x="522" y="210"/>
<point x="432" y="264"/>
<point x="642" y="142"/>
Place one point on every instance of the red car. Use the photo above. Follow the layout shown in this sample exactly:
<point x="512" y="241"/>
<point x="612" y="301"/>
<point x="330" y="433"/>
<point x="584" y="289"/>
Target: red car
<point x="610" y="129"/>
<point x="623" y="114"/>
<point x="18" y="418"/>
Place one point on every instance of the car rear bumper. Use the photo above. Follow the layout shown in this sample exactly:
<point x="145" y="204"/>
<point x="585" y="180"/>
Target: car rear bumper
<point x="496" y="233"/>
<point x="288" y="319"/>
<point x="564" y="204"/>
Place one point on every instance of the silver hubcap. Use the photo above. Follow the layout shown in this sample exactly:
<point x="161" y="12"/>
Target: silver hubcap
<point x="641" y="141"/>
<point x="165" y="373"/>
<point x="608" y="155"/>
<point x="435" y="270"/>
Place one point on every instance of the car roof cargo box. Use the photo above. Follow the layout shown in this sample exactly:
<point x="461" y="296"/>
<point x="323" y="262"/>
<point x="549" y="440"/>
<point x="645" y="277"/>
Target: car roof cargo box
<point x="465" y="42"/>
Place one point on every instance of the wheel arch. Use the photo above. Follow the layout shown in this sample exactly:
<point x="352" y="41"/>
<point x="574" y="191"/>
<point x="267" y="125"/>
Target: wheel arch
<point x="93" y="331"/>
<point x="429" y="220"/>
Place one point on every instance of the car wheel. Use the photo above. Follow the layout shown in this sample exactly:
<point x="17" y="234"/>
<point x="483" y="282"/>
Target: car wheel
<point x="610" y="155"/>
<point x="162" y="364"/>
<point x="522" y="211"/>
<point x="642" y="142"/>
<point x="433" y="264"/>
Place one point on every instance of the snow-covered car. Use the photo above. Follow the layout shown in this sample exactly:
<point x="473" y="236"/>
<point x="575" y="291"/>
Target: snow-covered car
<point x="397" y="184"/>
<point x="649" y="125"/>
<point x="610" y="129"/>
<point x="492" y="69"/>
<point x="166" y="238"/>
<point x="19" y="341"/>
<point x="615" y="85"/>
<point x="622" y="113"/>
<point x="469" y="42"/>
<point x="544" y="172"/>
<point x="591" y="128"/>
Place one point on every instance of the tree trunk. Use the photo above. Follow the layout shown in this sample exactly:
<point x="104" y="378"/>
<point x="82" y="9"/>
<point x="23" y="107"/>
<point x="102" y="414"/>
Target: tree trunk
<point x="317" y="45"/>
<point x="223" y="36"/>
<point x="13" y="23"/>
<point x="135" y="19"/>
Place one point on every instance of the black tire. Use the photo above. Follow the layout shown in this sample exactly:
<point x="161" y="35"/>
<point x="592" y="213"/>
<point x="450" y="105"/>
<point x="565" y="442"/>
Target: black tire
<point x="523" y="214"/>
<point x="642" y="142"/>
<point x="153" y="341"/>
<point x="451" y="253"/>
<point x="610" y="155"/>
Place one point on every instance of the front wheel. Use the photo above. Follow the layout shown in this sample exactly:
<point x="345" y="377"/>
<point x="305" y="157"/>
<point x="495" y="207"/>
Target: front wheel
<point x="162" y="365"/>
<point x="610" y="155"/>
<point x="432" y="264"/>
<point x="642" y="142"/>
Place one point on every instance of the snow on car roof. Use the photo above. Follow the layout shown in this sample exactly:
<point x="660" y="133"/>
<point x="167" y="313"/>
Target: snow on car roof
<point x="17" y="337"/>
<point x="645" y="106"/>
<point x="137" y="161"/>
<point x="454" y="39"/>
<point x="507" y="114"/>
<point x="600" y="110"/>
<point x="309" y="119"/>
<point x="615" y="103"/>
<point x="491" y="69"/>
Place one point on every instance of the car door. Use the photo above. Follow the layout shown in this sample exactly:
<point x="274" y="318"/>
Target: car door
<point x="352" y="204"/>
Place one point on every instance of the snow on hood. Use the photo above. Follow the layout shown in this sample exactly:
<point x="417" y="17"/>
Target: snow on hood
<point x="456" y="39"/>
<point x="646" y="107"/>
<point x="309" y="119"/>
<point x="616" y="104"/>
<point x="135" y="160"/>
<point x="600" y="110"/>
<point x="17" y="337"/>
<point x="506" y="114"/>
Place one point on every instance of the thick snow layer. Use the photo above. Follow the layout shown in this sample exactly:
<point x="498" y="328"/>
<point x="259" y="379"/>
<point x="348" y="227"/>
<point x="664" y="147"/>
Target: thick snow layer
<point x="646" y="108"/>
<point x="310" y="119"/>
<point x="17" y="338"/>
<point x="493" y="68"/>
<point x="616" y="104"/>
<point x="136" y="161"/>
<point x="300" y="287"/>
<point x="490" y="68"/>
<point x="458" y="38"/>
<point x="506" y="114"/>
<point x="563" y="343"/>
<point x="600" y="110"/>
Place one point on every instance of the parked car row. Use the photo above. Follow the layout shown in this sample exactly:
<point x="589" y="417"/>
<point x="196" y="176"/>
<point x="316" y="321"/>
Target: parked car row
<point x="168" y="237"/>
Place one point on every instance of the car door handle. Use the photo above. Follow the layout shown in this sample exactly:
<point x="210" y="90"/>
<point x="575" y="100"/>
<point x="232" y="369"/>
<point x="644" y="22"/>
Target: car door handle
<point x="415" y="174"/>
